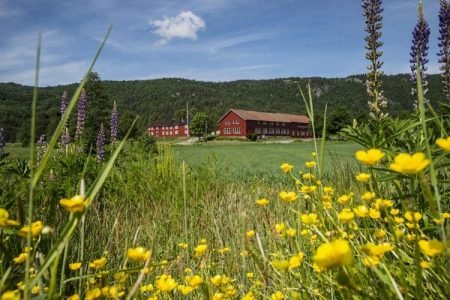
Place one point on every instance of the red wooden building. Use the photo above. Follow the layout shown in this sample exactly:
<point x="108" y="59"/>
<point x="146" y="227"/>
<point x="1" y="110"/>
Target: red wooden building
<point x="240" y="123"/>
<point x="168" y="129"/>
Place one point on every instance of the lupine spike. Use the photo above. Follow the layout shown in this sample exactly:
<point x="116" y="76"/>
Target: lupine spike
<point x="63" y="103"/>
<point x="100" y="143"/>
<point x="81" y="115"/>
<point x="444" y="46"/>
<point x="419" y="51"/>
<point x="2" y="143"/>
<point x="114" y="123"/>
<point x="372" y="12"/>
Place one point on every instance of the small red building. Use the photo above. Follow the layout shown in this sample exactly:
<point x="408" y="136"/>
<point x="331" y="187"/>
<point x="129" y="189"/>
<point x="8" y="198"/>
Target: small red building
<point x="241" y="123"/>
<point x="168" y="129"/>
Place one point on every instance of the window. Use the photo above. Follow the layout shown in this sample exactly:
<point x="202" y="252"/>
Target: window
<point x="277" y="124"/>
<point x="264" y="130"/>
<point x="271" y="131"/>
<point x="264" y="123"/>
<point x="176" y="132"/>
<point x="176" y="127"/>
<point x="227" y="130"/>
<point x="237" y="130"/>
<point x="227" y="122"/>
<point x="277" y="131"/>
<point x="258" y="130"/>
<point x="283" y="131"/>
<point x="271" y="123"/>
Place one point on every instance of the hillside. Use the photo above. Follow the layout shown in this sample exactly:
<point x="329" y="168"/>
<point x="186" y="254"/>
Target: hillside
<point x="162" y="99"/>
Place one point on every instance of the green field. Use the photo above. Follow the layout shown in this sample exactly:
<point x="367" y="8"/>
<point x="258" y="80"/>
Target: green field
<point x="241" y="160"/>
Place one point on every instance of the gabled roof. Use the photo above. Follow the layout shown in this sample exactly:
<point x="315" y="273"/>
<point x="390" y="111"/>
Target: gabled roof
<point x="268" y="117"/>
<point x="166" y="123"/>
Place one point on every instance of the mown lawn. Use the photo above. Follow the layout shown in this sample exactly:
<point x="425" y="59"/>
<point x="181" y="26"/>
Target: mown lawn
<point x="243" y="160"/>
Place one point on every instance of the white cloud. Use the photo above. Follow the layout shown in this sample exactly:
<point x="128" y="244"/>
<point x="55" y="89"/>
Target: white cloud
<point x="184" y="26"/>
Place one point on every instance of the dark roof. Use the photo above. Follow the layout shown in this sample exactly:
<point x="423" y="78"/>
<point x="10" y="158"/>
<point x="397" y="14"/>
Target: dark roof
<point x="268" y="117"/>
<point x="166" y="123"/>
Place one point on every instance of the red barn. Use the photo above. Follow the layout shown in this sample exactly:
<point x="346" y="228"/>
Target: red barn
<point x="168" y="129"/>
<point x="241" y="123"/>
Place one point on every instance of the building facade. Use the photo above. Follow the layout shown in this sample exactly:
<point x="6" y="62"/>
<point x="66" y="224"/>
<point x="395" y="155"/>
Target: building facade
<point x="241" y="123"/>
<point x="168" y="129"/>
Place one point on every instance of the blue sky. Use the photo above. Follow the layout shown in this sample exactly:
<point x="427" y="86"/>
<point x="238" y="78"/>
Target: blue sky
<point x="214" y="40"/>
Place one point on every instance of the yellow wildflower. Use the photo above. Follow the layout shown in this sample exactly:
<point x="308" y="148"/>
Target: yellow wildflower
<point x="21" y="258"/>
<point x="288" y="196"/>
<point x="425" y="264"/>
<point x="262" y="202"/>
<point x="35" y="289"/>
<point x="4" y="219"/>
<point x="444" y="143"/>
<point x="75" y="266"/>
<point x="377" y="250"/>
<point x="310" y="164"/>
<point x="250" y="275"/>
<point x="286" y="168"/>
<point x="183" y="245"/>
<point x="279" y="227"/>
<point x="334" y="254"/>
<point x="193" y="281"/>
<point x="36" y="229"/>
<point x="93" y="294"/>
<point x="218" y="296"/>
<point x="249" y="296"/>
<point x="409" y="164"/>
<point x="328" y="190"/>
<point x="291" y="232"/>
<point x="281" y="265"/>
<point x="363" y="177"/>
<point x="74" y="204"/>
<point x="165" y="283"/>
<point x="185" y="290"/>
<point x="250" y="234"/>
<point x="219" y="280"/>
<point x="200" y="250"/>
<point x="10" y="295"/>
<point x="98" y="263"/>
<point x="308" y="189"/>
<point x="394" y="211"/>
<point x="346" y="215"/>
<point x="147" y="288"/>
<point x="380" y="233"/>
<point x="413" y="217"/>
<point x="138" y="254"/>
<point x="310" y="219"/>
<point x="296" y="261"/>
<point x="120" y="276"/>
<point x="370" y="157"/>
<point x="308" y="176"/>
<point x="277" y="296"/>
<point x="74" y="297"/>
<point x="374" y="213"/>
<point x="367" y="196"/>
<point x="361" y="211"/>
<point x="431" y="248"/>
<point x="344" y="199"/>
<point x="370" y="261"/>
<point x="399" y="220"/>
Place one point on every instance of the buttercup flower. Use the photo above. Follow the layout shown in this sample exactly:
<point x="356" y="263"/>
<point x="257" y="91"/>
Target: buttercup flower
<point x="431" y="248"/>
<point x="75" y="266"/>
<point x="98" y="263"/>
<point x="444" y="143"/>
<point x="288" y="196"/>
<point x="409" y="164"/>
<point x="200" y="249"/>
<point x="74" y="204"/>
<point x="363" y="177"/>
<point x="262" y="202"/>
<point x="346" y="215"/>
<point x="36" y="229"/>
<point x="334" y="254"/>
<point x="166" y="283"/>
<point x="310" y="164"/>
<point x="4" y="219"/>
<point x="286" y="168"/>
<point x="370" y="157"/>
<point x="138" y="254"/>
<point x="309" y="219"/>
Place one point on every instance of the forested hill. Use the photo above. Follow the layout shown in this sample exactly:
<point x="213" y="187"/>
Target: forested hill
<point x="163" y="99"/>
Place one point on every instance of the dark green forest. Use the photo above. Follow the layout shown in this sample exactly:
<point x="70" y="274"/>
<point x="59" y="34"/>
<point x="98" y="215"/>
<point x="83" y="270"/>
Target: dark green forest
<point x="165" y="99"/>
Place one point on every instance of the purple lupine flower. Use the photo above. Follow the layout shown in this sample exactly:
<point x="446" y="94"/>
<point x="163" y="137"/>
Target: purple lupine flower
<point x="81" y="114"/>
<point x="41" y="147"/>
<point x="2" y="143"/>
<point x="444" y="46"/>
<point x="100" y="143"/>
<point x="419" y="51"/>
<point x="114" y="123"/>
<point x="65" y="138"/>
<point x="63" y="104"/>
<point x="372" y="10"/>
